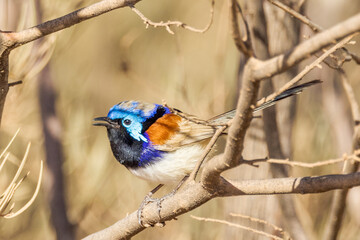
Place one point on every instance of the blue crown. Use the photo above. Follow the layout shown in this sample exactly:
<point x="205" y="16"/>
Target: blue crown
<point x="141" y="110"/>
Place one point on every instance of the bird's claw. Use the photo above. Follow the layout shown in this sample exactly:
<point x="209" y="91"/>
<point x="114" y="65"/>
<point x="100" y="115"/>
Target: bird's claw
<point x="148" y="199"/>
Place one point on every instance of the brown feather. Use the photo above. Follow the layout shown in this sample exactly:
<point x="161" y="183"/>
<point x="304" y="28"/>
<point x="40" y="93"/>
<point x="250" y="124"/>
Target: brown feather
<point x="163" y="129"/>
<point x="188" y="133"/>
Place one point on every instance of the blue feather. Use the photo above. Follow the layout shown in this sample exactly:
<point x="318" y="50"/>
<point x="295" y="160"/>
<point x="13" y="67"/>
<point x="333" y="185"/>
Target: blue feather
<point x="137" y="113"/>
<point x="143" y="110"/>
<point x="149" y="153"/>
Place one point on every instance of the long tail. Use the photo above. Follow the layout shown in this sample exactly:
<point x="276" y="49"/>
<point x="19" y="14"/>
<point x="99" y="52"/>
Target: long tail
<point x="287" y="93"/>
<point x="223" y="118"/>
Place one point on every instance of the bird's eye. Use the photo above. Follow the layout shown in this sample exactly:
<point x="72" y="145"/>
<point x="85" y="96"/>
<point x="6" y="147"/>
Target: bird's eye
<point x="127" y="122"/>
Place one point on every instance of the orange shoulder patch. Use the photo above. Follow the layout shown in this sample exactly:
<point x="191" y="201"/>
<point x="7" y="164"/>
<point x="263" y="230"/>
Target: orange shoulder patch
<point x="162" y="130"/>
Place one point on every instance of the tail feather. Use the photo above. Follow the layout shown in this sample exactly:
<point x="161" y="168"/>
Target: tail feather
<point x="225" y="117"/>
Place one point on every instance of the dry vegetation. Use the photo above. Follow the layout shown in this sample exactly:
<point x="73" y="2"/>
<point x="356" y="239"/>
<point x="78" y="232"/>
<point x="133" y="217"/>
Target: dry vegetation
<point x="114" y="57"/>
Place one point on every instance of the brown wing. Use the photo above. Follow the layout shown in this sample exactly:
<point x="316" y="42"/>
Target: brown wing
<point x="186" y="132"/>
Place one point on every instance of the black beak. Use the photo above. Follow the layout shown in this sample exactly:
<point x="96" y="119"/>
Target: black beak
<point x="106" y="122"/>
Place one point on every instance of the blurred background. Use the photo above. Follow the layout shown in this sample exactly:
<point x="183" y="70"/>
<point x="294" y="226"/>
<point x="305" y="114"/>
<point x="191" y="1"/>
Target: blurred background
<point x="86" y="69"/>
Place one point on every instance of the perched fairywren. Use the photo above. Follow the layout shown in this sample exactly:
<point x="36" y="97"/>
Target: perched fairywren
<point x="160" y="146"/>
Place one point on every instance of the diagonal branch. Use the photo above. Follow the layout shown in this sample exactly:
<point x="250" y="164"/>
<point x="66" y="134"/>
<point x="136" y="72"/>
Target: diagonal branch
<point x="169" y="23"/>
<point x="283" y="62"/>
<point x="316" y="28"/>
<point x="14" y="39"/>
<point x="307" y="69"/>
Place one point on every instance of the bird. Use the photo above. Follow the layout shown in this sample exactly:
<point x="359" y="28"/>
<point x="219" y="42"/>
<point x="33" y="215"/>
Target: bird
<point x="160" y="146"/>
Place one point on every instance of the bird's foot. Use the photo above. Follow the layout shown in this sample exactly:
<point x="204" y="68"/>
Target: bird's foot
<point x="148" y="199"/>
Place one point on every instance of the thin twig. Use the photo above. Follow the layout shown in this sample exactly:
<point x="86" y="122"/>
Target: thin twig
<point x="257" y="220"/>
<point x="9" y="144"/>
<point x="20" y="167"/>
<point x="15" y="83"/>
<point x="237" y="226"/>
<point x="302" y="18"/>
<point x="242" y="43"/>
<point x="303" y="164"/>
<point x="354" y="106"/>
<point x="282" y="62"/>
<point x="4" y="161"/>
<point x="32" y="199"/>
<point x="169" y="23"/>
<point x="12" y="40"/>
<point x="8" y="194"/>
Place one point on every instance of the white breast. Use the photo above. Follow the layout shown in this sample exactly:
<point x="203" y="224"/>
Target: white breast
<point x="172" y="166"/>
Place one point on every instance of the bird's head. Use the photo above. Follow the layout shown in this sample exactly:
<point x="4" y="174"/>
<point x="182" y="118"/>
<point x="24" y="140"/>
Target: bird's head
<point x="126" y="125"/>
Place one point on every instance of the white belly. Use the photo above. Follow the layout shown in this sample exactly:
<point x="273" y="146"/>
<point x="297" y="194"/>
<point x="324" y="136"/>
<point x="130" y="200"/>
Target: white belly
<point x="172" y="167"/>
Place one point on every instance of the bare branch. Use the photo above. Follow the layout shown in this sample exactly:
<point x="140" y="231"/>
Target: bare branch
<point x="305" y="164"/>
<point x="189" y="196"/>
<point x="169" y="23"/>
<point x="242" y="43"/>
<point x="307" y="69"/>
<point x="14" y="39"/>
<point x="354" y="106"/>
<point x="316" y="28"/>
<point x="15" y="83"/>
<point x="9" y="144"/>
<point x="192" y="195"/>
<point x="256" y="220"/>
<point x="8" y="194"/>
<point x="32" y="199"/>
<point x="282" y="62"/>
<point x="247" y="97"/>
<point x="299" y="185"/>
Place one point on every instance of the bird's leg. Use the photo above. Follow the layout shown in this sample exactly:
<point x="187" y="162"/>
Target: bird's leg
<point x="148" y="199"/>
<point x="177" y="188"/>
